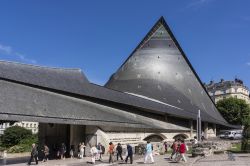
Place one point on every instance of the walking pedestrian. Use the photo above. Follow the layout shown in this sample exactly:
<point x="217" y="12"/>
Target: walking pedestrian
<point x="93" y="152"/>
<point x="119" y="151"/>
<point x="165" y="145"/>
<point x="100" y="152"/>
<point x="149" y="153"/>
<point x="46" y="153"/>
<point x="182" y="150"/>
<point x="34" y="154"/>
<point x="63" y="150"/>
<point x="81" y="149"/>
<point x="72" y="151"/>
<point x="195" y="141"/>
<point x="129" y="154"/>
<point x="111" y="152"/>
<point x="174" y="148"/>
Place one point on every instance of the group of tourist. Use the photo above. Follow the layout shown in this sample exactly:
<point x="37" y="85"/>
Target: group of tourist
<point x="119" y="150"/>
<point x="60" y="153"/>
<point x="178" y="147"/>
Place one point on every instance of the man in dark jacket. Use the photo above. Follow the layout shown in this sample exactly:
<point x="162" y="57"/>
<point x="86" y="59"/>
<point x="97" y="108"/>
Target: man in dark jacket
<point x="34" y="154"/>
<point x="130" y="154"/>
<point x="119" y="151"/>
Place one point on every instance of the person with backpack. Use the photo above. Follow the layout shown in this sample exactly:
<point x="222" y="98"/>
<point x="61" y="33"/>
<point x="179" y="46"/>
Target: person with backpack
<point x="149" y="152"/>
<point x="100" y="152"/>
<point x="34" y="154"/>
<point x="129" y="154"/>
<point x="119" y="151"/>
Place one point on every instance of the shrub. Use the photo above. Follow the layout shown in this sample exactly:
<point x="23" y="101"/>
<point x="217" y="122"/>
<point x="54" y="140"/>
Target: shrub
<point x="14" y="135"/>
<point x="16" y="149"/>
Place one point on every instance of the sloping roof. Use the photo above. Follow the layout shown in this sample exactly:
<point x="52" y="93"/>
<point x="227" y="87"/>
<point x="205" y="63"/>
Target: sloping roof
<point x="20" y="102"/>
<point x="71" y="82"/>
<point x="55" y="78"/>
<point x="159" y="69"/>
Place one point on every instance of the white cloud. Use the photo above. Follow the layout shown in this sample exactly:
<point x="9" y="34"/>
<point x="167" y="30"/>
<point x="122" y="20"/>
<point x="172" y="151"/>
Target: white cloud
<point x="8" y="50"/>
<point x="248" y="63"/>
<point x="5" y="49"/>
<point x="198" y="3"/>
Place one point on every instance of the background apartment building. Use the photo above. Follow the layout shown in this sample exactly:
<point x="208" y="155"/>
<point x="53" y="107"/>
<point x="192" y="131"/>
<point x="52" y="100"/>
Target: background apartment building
<point x="225" y="89"/>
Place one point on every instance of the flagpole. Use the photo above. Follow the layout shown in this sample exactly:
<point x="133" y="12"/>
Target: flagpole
<point x="198" y="130"/>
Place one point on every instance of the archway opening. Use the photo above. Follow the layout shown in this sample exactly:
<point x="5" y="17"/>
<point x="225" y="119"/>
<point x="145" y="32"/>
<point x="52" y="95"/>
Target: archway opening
<point x="153" y="138"/>
<point x="180" y="136"/>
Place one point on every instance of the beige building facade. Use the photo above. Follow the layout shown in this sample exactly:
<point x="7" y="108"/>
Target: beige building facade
<point x="225" y="89"/>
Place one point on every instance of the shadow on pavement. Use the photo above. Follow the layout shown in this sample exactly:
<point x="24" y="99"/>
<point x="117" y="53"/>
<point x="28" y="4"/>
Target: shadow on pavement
<point x="9" y="161"/>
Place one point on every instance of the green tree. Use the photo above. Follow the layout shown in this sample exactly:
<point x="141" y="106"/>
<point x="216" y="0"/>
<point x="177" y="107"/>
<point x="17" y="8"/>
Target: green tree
<point x="14" y="135"/>
<point x="245" y="145"/>
<point x="234" y="110"/>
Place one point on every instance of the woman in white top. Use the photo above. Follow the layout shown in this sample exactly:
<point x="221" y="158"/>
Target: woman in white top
<point x="93" y="152"/>
<point x="82" y="146"/>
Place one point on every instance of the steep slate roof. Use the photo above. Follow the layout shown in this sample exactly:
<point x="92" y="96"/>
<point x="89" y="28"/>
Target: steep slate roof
<point x="73" y="82"/>
<point x="159" y="69"/>
<point x="55" y="78"/>
<point x="24" y="103"/>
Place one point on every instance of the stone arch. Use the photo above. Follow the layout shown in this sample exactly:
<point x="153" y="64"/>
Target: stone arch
<point x="180" y="136"/>
<point x="155" y="138"/>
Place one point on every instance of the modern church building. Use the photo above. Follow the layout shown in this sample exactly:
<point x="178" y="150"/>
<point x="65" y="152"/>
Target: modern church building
<point x="155" y="95"/>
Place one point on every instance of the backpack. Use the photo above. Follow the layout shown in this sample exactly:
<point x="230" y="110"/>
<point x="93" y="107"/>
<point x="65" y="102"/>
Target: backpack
<point x="103" y="149"/>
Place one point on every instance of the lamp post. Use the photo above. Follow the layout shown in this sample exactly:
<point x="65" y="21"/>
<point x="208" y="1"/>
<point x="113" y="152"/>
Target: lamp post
<point x="198" y="126"/>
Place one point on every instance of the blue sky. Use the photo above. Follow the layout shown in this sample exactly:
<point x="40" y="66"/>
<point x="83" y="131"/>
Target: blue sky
<point x="97" y="36"/>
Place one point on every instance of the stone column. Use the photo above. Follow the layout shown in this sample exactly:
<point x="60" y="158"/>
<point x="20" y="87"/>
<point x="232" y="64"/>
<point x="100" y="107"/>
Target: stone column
<point x="191" y="128"/>
<point x="214" y="127"/>
<point x="205" y="130"/>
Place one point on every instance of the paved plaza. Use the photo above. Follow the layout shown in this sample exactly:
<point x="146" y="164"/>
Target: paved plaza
<point x="162" y="160"/>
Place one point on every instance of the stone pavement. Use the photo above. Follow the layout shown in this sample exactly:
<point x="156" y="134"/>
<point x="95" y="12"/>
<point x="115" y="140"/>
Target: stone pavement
<point x="138" y="160"/>
<point x="225" y="160"/>
<point x="215" y="160"/>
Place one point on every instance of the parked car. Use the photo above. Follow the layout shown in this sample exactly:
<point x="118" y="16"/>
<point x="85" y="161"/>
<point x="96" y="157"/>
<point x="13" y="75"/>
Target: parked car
<point x="235" y="134"/>
<point x="231" y="134"/>
<point x="223" y="135"/>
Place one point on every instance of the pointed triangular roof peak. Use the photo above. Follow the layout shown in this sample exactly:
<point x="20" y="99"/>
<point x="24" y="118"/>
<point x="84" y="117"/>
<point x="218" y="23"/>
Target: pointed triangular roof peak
<point x="158" y="26"/>
<point x="159" y="69"/>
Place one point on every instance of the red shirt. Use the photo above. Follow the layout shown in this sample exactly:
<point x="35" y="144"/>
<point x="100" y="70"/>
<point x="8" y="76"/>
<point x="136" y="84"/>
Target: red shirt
<point x="174" y="146"/>
<point x="111" y="148"/>
<point x="182" y="148"/>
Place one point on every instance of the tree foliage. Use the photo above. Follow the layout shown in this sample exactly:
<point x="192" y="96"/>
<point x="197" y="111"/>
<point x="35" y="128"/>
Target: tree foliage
<point x="245" y="145"/>
<point x="234" y="110"/>
<point x="14" y="135"/>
